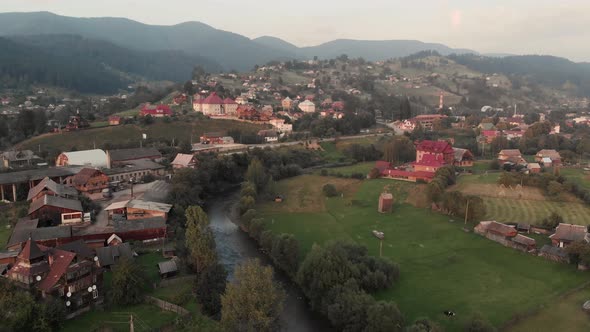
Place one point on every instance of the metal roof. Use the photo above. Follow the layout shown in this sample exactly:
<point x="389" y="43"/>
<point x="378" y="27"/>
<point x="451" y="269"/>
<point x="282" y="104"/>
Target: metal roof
<point x="96" y="158"/>
<point x="37" y="174"/>
<point x="70" y="204"/>
<point x="167" y="266"/>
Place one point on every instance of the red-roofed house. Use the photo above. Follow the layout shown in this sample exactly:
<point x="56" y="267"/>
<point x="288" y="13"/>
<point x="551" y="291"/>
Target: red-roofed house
<point x="114" y="120"/>
<point x="490" y="135"/>
<point x="213" y="105"/>
<point x="62" y="274"/>
<point x="156" y="111"/>
<point x="432" y="155"/>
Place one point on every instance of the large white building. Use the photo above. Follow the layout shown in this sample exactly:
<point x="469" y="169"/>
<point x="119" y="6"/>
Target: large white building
<point x="213" y="105"/>
<point x="307" y="106"/>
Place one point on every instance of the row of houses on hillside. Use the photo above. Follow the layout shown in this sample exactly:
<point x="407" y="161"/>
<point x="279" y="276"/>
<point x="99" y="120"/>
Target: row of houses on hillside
<point x="545" y="158"/>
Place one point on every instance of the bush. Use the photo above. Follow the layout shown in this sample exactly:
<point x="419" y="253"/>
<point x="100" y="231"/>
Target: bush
<point x="330" y="190"/>
<point x="148" y="178"/>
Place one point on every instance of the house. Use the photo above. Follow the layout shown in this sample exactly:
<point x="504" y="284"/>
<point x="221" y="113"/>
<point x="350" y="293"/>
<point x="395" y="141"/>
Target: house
<point x="534" y="168"/>
<point x="180" y="99"/>
<point x="56" y="210"/>
<point x="496" y="231"/>
<point x="307" y="106"/>
<point x="382" y="165"/>
<point x="565" y="234"/>
<point x="92" y="158"/>
<point x="287" y="103"/>
<point x="432" y="155"/>
<point x="18" y="159"/>
<point x="548" y="158"/>
<point x="64" y="275"/>
<point x="139" y="209"/>
<point x="427" y="121"/>
<point x="269" y="135"/>
<point x="524" y="243"/>
<point x="76" y="122"/>
<point x="89" y="180"/>
<point x="215" y="138"/>
<point x="463" y="157"/>
<point x="122" y="157"/>
<point x="111" y="254"/>
<point x="385" y="203"/>
<point x="281" y="126"/>
<point x="511" y="156"/>
<point x="184" y="161"/>
<point x="489" y="135"/>
<point x="156" y="111"/>
<point x="168" y="268"/>
<point x="487" y="126"/>
<point x="554" y="254"/>
<point x="51" y="188"/>
<point x="114" y="120"/>
<point x="213" y="105"/>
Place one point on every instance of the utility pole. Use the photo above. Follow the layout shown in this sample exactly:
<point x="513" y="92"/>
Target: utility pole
<point x="467" y="211"/>
<point x="380" y="247"/>
<point x="131" y="325"/>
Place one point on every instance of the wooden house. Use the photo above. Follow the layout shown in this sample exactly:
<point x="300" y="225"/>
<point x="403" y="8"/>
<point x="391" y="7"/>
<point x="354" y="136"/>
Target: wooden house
<point x="89" y="180"/>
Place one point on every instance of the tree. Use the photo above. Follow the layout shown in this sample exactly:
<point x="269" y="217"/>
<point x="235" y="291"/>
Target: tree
<point x="424" y="325"/>
<point x="247" y="203"/>
<point x="199" y="239"/>
<point x="330" y="190"/>
<point x="374" y="173"/>
<point x="253" y="301"/>
<point x="186" y="187"/>
<point x="185" y="147"/>
<point x="198" y="73"/>
<point x="384" y="317"/>
<point x="256" y="174"/>
<point x="405" y="109"/>
<point x="579" y="252"/>
<point x="17" y="308"/>
<point x="248" y="189"/>
<point x="553" y="220"/>
<point x="285" y="253"/>
<point x="348" y="308"/>
<point x="127" y="283"/>
<point x="210" y="286"/>
<point x="189" y="88"/>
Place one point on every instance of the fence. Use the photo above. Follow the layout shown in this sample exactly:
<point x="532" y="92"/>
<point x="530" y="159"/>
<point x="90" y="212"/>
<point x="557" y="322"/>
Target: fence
<point x="167" y="306"/>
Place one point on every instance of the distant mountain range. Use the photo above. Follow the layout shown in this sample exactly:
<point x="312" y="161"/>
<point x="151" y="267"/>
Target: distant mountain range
<point x="230" y="50"/>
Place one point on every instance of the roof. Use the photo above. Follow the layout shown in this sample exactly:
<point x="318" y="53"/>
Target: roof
<point x="22" y="231"/>
<point x="78" y="247"/>
<point x="19" y="155"/>
<point x="134" y="166"/>
<point x="167" y="266"/>
<point x="8" y="254"/>
<point x="212" y="99"/>
<point x="533" y="165"/>
<point x="491" y="133"/>
<point x="554" y="155"/>
<point x="306" y="103"/>
<point x="430" y="160"/>
<point x="487" y="126"/>
<point x="60" y="202"/>
<point x="140" y="204"/>
<point x="60" y="262"/>
<point x="229" y="101"/>
<point x="85" y="175"/>
<point x="569" y="232"/>
<point x="37" y="174"/>
<point x="49" y="184"/>
<point x="502" y="229"/>
<point x="122" y="226"/>
<point x="435" y="146"/>
<point x="109" y="255"/>
<point x="461" y="154"/>
<point x="525" y="240"/>
<point x="134" y="154"/>
<point x="510" y="152"/>
<point x="382" y="165"/>
<point x="156" y="109"/>
<point x="554" y="251"/>
<point x="96" y="158"/>
<point x="183" y="159"/>
<point x="30" y="251"/>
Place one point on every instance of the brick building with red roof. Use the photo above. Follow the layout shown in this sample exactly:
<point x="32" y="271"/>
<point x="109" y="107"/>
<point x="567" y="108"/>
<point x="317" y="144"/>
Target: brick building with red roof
<point x="62" y="274"/>
<point x="156" y="111"/>
<point x="213" y="105"/>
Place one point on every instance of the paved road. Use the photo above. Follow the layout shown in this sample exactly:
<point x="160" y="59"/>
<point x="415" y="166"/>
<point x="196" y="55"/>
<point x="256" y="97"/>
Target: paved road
<point x="343" y="138"/>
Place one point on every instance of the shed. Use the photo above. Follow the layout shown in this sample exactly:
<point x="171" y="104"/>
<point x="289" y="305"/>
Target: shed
<point x="385" y="202"/>
<point x="168" y="268"/>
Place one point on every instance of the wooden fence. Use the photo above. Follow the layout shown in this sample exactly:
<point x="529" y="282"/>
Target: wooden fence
<point x="167" y="306"/>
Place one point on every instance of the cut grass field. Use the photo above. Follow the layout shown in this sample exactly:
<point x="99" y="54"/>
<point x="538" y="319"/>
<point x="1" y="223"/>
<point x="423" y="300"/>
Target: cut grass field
<point x="533" y="211"/>
<point x="131" y="134"/>
<point x="442" y="266"/>
<point x="361" y="168"/>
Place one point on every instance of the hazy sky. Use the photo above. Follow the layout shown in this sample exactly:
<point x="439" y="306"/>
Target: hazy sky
<point x="556" y="27"/>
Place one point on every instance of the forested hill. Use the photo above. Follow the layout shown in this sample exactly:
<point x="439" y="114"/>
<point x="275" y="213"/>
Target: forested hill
<point x="22" y="65"/>
<point x="88" y="65"/>
<point x="540" y="69"/>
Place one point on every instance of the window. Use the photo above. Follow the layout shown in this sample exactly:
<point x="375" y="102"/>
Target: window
<point x="95" y="294"/>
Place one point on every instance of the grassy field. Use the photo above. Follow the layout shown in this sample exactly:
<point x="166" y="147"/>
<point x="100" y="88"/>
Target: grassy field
<point x="530" y="207"/>
<point x="564" y="315"/>
<point x="131" y="134"/>
<point x="579" y="175"/>
<point x="442" y="266"/>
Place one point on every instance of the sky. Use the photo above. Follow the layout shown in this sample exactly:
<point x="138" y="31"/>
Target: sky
<point x="555" y="27"/>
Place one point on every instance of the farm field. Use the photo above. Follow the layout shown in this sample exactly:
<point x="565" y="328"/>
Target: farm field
<point x="578" y="175"/>
<point x="563" y="315"/>
<point x="528" y="205"/>
<point x="362" y="168"/>
<point x="437" y="257"/>
<point x="131" y="134"/>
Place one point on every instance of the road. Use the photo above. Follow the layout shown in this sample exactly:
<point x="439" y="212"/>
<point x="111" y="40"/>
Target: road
<point x="331" y="139"/>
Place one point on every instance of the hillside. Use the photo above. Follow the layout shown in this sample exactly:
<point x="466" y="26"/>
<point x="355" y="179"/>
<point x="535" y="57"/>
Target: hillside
<point x="21" y="65"/>
<point x="277" y="44"/>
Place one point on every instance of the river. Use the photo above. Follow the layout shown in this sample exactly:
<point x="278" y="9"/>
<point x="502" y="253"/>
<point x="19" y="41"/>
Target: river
<point x="235" y="246"/>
